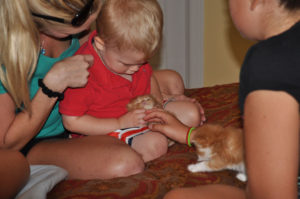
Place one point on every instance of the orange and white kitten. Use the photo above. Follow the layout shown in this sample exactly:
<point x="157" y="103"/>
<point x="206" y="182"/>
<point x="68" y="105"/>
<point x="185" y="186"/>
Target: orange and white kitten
<point x="143" y="102"/>
<point x="219" y="148"/>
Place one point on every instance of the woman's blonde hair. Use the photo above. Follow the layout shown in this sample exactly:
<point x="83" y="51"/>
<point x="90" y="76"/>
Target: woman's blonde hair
<point x="131" y="24"/>
<point x="20" y="44"/>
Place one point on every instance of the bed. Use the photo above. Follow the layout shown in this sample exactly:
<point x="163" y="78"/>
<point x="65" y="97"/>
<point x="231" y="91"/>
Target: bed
<point x="169" y="171"/>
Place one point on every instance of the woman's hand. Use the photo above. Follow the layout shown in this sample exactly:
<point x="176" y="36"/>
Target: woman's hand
<point x="166" y="123"/>
<point x="71" y="72"/>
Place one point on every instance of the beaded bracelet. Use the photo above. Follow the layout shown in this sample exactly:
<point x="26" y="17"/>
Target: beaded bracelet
<point x="188" y="136"/>
<point x="165" y="102"/>
<point x="48" y="92"/>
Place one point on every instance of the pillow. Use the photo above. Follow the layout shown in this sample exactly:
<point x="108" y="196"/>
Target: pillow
<point x="42" y="179"/>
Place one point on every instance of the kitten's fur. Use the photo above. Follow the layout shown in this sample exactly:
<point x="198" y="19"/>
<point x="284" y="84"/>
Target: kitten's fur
<point x="143" y="101"/>
<point x="146" y="102"/>
<point x="219" y="148"/>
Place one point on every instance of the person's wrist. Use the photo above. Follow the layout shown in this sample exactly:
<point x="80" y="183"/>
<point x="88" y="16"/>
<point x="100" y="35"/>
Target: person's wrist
<point x="181" y="136"/>
<point x="50" y="93"/>
<point x="188" y="136"/>
<point x="55" y="83"/>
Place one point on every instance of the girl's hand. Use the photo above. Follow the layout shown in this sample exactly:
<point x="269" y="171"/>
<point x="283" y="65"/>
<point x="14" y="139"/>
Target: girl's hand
<point x="166" y="123"/>
<point x="189" y="99"/>
<point x="132" y="119"/>
<point x="71" y="72"/>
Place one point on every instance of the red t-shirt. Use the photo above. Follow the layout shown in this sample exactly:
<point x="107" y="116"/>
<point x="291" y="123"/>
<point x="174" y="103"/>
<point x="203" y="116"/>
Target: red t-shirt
<point x="106" y="94"/>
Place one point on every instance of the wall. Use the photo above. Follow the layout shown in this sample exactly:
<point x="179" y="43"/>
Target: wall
<point x="182" y="45"/>
<point x="224" y="48"/>
<point x="200" y="42"/>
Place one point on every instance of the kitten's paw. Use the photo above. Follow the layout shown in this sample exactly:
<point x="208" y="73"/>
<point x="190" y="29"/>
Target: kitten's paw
<point x="193" y="168"/>
<point x="198" y="167"/>
<point x="242" y="177"/>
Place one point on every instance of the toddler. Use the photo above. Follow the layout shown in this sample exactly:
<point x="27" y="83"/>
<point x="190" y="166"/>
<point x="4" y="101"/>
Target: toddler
<point x="128" y="33"/>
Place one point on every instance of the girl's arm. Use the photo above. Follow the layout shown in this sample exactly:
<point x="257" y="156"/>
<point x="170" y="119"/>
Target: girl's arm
<point x="166" y="123"/>
<point x="17" y="129"/>
<point x="271" y="126"/>
<point x="89" y="125"/>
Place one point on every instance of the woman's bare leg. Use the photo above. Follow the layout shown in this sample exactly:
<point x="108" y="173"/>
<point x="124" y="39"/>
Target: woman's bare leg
<point x="14" y="172"/>
<point x="90" y="157"/>
<point x="216" y="191"/>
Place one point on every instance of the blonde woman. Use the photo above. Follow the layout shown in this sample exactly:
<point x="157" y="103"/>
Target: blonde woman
<point x="35" y="45"/>
<point x="37" y="64"/>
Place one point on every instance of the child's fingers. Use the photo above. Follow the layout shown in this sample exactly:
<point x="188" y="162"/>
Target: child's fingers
<point x="138" y="111"/>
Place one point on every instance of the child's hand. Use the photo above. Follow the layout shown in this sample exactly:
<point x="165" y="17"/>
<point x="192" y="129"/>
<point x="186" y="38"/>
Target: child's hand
<point x="133" y="118"/>
<point x="185" y="98"/>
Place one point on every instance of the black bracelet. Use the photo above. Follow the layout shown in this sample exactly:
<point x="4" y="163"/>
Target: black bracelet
<point x="50" y="93"/>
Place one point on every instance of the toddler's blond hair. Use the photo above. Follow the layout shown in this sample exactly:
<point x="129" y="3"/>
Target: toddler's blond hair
<point x="131" y="24"/>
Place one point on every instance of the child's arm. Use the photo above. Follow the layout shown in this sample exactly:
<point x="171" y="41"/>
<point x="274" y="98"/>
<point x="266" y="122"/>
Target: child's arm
<point x="155" y="90"/>
<point x="89" y="125"/>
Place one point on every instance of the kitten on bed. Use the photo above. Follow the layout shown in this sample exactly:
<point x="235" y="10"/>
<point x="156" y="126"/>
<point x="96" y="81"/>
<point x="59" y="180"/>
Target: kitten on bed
<point x="219" y="148"/>
<point x="146" y="102"/>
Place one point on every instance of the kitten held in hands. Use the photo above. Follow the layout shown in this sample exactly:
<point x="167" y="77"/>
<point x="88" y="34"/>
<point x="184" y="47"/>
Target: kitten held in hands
<point x="219" y="148"/>
<point x="146" y="102"/>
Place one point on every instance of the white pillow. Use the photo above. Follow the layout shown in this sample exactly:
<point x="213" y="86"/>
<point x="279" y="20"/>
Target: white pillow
<point x="42" y="179"/>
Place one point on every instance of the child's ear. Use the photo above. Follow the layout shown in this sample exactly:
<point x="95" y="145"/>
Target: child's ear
<point x="99" y="43"/>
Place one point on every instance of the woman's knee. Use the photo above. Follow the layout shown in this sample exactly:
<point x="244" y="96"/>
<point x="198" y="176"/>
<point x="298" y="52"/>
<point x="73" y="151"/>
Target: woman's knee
<point x="14" y="171"/>
<point x="127" y="163"/>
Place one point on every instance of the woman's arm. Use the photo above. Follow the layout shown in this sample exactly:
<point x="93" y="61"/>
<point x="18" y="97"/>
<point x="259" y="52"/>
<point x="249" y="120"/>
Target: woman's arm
<point x="17" y="129"/>
<point x="271" y="127"/>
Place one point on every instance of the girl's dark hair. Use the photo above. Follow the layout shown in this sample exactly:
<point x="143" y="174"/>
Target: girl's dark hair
<point x="290" y="4"/>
